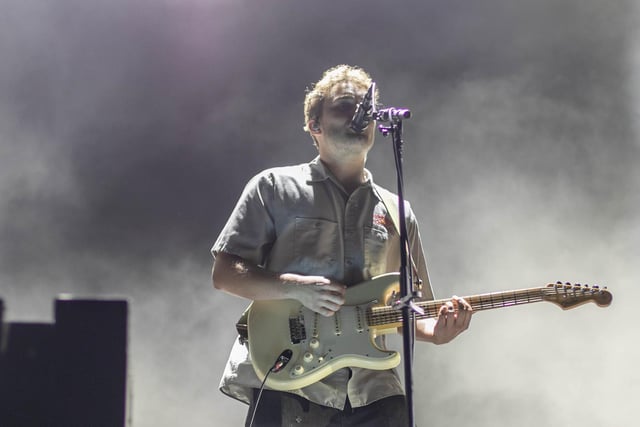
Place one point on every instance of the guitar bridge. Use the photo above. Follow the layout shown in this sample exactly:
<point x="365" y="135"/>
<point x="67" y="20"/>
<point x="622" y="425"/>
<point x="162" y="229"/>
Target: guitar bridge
<point x="297" y="330"/>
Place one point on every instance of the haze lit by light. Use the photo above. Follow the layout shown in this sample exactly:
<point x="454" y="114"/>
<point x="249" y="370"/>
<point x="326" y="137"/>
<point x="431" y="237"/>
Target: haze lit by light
<point x="128" y="129"/>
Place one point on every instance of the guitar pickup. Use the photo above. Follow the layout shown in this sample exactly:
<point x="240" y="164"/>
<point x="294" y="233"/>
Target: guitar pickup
<point x="297" y="330"/>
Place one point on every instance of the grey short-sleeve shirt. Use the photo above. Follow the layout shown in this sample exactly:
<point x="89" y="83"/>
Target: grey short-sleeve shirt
<point x="298" y="219"/>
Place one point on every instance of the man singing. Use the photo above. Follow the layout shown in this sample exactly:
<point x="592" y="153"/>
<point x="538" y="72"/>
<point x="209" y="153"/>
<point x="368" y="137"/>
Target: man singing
<point x="308" y="232"/>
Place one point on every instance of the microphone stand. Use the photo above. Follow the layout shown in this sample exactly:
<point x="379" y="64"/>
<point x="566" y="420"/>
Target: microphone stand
<point x="407" y="292"/>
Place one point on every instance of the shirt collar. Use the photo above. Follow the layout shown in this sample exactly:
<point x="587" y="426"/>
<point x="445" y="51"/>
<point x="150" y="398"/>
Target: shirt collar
<point x="318" y="172"/>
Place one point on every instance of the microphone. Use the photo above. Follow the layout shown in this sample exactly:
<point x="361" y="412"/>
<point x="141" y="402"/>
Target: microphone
<point x="362" y="116"/>
<point x="392" y="114"/>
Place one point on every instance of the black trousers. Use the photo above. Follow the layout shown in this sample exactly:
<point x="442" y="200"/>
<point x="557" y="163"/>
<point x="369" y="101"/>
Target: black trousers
<point x="278" y="409"/>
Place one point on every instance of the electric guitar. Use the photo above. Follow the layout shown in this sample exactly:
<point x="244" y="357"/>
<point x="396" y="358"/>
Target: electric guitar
<point x="320" y="345"/>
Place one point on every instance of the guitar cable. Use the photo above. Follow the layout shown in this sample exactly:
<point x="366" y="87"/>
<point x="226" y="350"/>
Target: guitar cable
<point x="282" y="361"/>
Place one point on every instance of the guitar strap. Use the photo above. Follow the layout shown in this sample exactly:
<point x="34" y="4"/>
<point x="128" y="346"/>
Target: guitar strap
<point x="390" y="202"/>
<point x="242" y="326"/>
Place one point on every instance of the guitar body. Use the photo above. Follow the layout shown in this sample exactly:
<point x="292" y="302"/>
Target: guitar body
<point x="320" y="345"/>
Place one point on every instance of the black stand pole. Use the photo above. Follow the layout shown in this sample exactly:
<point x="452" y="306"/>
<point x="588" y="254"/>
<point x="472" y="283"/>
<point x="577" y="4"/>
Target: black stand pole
<point x="407" y="292"/>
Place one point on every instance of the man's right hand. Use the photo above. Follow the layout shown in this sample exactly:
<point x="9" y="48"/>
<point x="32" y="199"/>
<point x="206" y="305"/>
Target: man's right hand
<point x="317" y="293"/>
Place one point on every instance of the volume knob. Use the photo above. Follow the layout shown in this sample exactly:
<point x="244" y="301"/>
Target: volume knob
<point x="314" y="343"/>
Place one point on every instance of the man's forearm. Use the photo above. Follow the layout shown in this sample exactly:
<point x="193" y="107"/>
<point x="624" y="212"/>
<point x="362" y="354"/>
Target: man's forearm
<point x="239" y="277"/>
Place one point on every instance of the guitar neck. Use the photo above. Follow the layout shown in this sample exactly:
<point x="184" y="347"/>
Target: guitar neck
<point x="564" y="295"/>
<point x="386" y="315"/>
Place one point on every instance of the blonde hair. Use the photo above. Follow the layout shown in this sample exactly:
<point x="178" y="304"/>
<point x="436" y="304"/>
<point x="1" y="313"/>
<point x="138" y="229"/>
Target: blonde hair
<point x="333" y="76"/>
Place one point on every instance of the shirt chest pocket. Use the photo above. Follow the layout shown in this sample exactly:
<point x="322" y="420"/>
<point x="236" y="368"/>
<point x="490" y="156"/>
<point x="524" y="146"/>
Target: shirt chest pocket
<point x="316" y="246"/>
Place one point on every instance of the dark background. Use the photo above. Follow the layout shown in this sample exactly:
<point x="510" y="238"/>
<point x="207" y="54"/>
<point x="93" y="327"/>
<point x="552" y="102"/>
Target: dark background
<point x="128" y="129"/>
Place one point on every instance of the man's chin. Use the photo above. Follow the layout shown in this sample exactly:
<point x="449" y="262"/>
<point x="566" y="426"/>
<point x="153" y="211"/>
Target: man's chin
<point x="356" y="136"/>
<point x="350" y="138"/>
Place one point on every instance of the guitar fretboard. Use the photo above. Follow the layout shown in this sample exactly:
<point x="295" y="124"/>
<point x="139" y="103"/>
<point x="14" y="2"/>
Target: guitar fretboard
<point x="383" y="315"/>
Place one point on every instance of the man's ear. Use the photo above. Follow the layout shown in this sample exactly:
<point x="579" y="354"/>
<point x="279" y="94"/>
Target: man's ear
<point x="314" y="127"/>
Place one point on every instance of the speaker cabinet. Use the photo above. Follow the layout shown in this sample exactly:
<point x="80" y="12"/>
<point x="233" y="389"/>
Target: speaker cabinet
<point x="70" y="373"/>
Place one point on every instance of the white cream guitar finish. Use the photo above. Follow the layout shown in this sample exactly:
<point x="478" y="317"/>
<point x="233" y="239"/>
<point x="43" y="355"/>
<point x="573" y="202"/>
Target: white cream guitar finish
<point x="321" y="345"/>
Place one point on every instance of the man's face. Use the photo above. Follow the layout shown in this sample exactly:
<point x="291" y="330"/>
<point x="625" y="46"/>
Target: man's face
<point x="337" y="111"/>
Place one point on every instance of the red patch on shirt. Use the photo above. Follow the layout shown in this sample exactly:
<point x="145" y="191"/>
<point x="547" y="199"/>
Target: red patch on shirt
<point x="379" y="219"/>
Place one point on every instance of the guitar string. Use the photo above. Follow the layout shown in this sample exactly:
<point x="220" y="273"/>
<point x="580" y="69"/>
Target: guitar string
<point x="380" y="315"/>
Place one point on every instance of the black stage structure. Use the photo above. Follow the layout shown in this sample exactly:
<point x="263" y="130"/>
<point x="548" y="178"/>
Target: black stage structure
<point x="72" y="372"/>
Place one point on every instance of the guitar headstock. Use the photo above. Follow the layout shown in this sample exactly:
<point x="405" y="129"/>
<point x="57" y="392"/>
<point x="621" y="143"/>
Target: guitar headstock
<point x="568" y="295"/>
